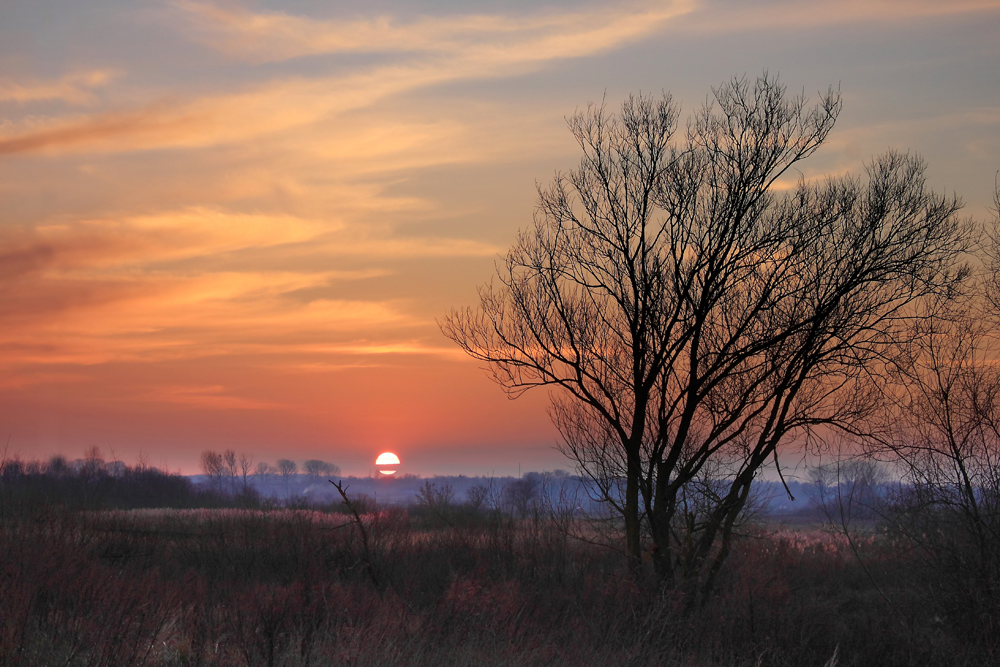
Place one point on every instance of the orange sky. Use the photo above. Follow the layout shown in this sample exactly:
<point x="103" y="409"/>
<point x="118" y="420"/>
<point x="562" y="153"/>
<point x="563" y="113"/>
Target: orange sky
<point x="233" y="224"/>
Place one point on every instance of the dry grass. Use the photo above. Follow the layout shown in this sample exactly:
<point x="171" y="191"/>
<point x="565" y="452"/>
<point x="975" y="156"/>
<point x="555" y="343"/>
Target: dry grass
<point x="239" y="587"/>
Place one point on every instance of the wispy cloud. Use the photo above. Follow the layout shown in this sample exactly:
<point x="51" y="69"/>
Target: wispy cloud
<point x="210" y="397"/>
<point x="499" y="39"/>
<point x="223" y="119"/>
<point x="725" y="16"/>
<point x="449" y="49"/>
<point x="76" y="88"/>
<point x="153" y="287"/>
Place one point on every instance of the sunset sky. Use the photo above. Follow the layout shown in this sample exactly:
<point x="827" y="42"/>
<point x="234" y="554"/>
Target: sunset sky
<point x="233" y="224"/>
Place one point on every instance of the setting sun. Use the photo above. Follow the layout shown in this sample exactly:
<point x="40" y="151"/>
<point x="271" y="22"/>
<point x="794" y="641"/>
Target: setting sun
<point x="387" y="462"/>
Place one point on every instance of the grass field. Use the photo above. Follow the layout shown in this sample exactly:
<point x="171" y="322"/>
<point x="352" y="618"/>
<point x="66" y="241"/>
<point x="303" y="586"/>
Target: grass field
<point x="298" y="587"/>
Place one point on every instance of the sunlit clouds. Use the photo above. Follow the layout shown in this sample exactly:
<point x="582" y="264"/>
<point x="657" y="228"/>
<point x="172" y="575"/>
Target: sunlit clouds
<point x="474" y="43"/>
<point x="236" y="223"/>
<point x="75" y="88"/>
<point x="463" y="48"/>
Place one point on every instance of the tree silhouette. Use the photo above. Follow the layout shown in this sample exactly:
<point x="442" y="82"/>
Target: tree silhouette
<point x="691" y="318"/>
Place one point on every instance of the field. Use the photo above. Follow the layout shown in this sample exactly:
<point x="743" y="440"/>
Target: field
<point x="300" y="587"/>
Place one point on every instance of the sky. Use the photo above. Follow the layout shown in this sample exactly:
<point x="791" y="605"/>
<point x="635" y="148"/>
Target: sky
<point x="236" y="224"/>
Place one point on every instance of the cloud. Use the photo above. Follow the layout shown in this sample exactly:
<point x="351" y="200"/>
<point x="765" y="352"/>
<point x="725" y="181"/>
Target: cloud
<point x="149" y="245"/>
<point x="364" y="348"/>
<point x="155" y="126"/>
<point x="158" y="318"/>
<point x="259" y="37"/>
<point x="209" y="397"/>
<point x="154" y="287"/>
<point x="734" y="16"/>
<point x="446" y="49"/>
<point x="221" y="119"/>
<point x="75" y="88"/>
<point x="117" y="245"/>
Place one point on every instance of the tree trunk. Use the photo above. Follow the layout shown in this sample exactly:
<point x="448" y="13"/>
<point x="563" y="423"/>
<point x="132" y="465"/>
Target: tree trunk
<point x="633" y="544"/>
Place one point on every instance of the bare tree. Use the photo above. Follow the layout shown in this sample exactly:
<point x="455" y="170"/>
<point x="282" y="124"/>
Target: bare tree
<point x="246" y="467"/>
<point x="214" y="468"/>
<point x="521" y="496"/>
<point x="231" y="466"/>
<point x="477" y="497"/>
<point x="688" y="319"/>
<point x="58" y="466"/>
<point x="434" y="497"/>
<point x="315" y="468"/>
<point x="941" y="431"/>
<point x="93" y="463"/>
<point x="993" y="252"/>
<point x="287" y="469"/>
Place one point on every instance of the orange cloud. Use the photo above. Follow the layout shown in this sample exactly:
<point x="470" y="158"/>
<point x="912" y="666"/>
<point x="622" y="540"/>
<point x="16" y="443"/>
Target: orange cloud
<point x="261" y="37"/>
<point x="151" y="288"/>
<point x="220" y="119"/>
<point x="459" y="48"/>
<point x="212" y="397"/>
<point x="75" y="88"/>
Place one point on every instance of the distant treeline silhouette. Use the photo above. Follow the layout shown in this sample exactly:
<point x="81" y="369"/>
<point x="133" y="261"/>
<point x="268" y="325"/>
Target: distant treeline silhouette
<point x="93" y="483"/>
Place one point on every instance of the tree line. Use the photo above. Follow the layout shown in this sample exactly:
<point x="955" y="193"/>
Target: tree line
<point x="91" y="482"/>
<point x="232" y="472"/>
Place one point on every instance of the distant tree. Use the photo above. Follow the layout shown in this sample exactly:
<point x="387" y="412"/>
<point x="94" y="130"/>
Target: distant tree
<point x="231" y="468"/>
<point x="93" y="463"/>
<point x="214" y="468"/>
<point x="246" y="467"/>
<point x="435" y="497"/>
<point x="287" y="468"/>
<point x="58" y="466"/>
<point x="520" y="496"/>
<point x="477" y="497"/>
<point x="142" y="462"/>
<point x="941" y="432"/>
<point x="316" y="468"/>
<point x="263" y="470"/>
<point x="850" y="490"/>
<point x="11" y="467"/>
<point x="691" y="317"/>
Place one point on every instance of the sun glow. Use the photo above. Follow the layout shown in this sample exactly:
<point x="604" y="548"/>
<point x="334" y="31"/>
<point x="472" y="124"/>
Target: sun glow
<point x="387" y="462"/>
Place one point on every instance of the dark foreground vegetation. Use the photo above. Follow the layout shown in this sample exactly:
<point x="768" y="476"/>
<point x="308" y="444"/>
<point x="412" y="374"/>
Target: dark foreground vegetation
<point x="441" y="582"/>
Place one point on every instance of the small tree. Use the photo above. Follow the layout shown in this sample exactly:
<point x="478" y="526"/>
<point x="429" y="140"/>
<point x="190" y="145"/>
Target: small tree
<point x="435" y="497"/>
<point x="477" y="497"/>
<point x="287" y="469"/>
<point x="246" y="467"/>
<point x="214" y="468"/>
<point x="689" y="319"/>
<point x="520" y="496"/>
<point x="941" y="432"/>
<point x="231" y="467"/>
<point x="316" y="468"/>
<point x="93" y="463"/>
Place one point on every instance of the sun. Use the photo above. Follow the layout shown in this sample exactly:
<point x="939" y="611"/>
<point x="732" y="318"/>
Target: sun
<point x="387" y="462"/>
